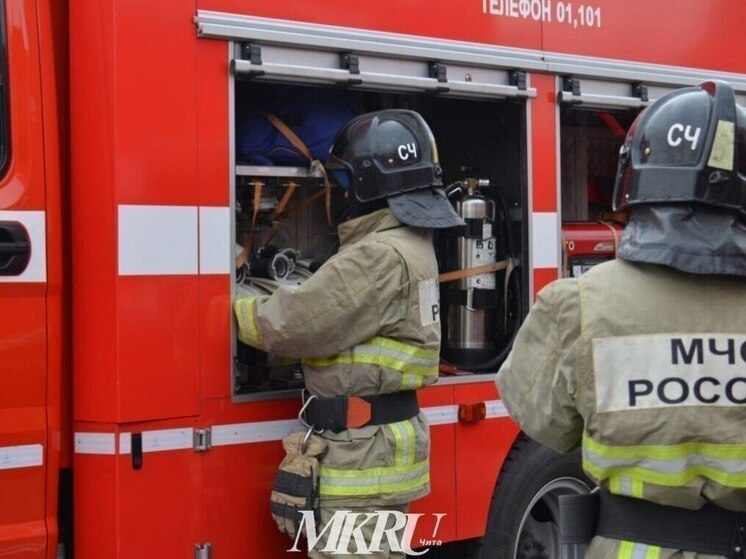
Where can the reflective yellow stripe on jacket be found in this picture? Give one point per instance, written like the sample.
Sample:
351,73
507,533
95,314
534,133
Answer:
248,332
416,364
335,482
631,550
405,475
666,465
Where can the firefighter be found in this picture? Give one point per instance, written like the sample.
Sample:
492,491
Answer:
366,325
641,360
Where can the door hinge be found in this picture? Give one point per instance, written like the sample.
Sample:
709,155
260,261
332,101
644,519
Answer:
202,440
203,551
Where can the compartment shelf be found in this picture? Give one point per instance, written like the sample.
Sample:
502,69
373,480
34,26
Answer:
273,171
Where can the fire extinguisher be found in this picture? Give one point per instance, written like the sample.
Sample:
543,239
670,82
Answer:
472,302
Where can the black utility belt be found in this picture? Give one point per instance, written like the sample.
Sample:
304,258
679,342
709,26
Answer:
711,530
352,412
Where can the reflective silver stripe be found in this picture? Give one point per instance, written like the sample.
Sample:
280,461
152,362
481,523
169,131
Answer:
632,550
625,486
95,443
251,432
405,358
22,456
365,349
667,466
159,440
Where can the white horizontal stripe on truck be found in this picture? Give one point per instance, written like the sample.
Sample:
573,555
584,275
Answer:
240,433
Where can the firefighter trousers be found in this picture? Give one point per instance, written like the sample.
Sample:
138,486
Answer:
351,551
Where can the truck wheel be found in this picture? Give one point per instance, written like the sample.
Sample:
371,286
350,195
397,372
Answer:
523,518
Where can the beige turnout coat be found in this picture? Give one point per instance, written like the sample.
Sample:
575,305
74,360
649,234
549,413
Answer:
645,367
365,323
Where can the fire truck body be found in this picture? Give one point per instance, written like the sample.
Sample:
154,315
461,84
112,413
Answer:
122,198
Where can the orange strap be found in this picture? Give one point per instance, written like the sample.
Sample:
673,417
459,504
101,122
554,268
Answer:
469,272
292,185
315,163
292,137
358,412
279,211
242,258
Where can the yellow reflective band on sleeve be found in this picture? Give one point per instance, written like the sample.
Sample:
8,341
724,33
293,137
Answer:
667,465
248,332
416,364
335,482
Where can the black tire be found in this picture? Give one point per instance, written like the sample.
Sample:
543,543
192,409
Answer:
523,517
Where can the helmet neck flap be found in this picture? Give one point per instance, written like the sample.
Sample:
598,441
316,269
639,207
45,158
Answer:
688,238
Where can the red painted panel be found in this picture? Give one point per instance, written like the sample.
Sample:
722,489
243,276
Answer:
94,248
215,336
155,92
237,485
443,489
23,306
23,490
158,342
700,35
544,143
414,17
152,513
237,482
212,104
542,278
480,451
95,497
22,346
159,510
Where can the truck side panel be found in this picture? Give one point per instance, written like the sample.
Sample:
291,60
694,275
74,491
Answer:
29,369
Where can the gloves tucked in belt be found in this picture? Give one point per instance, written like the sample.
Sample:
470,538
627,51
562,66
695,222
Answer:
296,485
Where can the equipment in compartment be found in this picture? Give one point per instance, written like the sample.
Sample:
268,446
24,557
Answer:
268,217
586,244
283,226
474,289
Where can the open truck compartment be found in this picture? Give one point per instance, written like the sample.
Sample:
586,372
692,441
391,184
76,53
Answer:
590,138
280,212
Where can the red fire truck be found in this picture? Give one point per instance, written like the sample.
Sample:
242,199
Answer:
132,422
